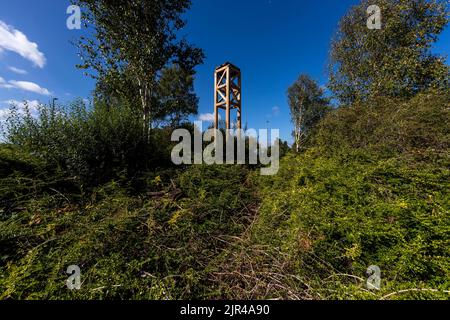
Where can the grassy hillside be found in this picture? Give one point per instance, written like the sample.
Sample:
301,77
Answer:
372,188
147,246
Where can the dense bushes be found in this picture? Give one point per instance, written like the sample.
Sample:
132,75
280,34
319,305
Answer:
389,125
93,145
128,247
375,190
334,217
371,189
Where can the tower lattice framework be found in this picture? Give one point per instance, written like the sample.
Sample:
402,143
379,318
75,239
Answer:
227,94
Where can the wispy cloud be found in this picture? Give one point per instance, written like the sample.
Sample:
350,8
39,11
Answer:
207,117
24,85
16,41
30,86
4,84
17,70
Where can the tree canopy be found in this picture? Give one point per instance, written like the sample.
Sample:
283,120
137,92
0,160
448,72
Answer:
395,61
132,43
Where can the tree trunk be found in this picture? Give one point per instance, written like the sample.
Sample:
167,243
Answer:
145,101
298,132
297,138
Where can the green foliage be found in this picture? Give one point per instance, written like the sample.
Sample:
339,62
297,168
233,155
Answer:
21,176
389,126
337,217
83,186
132,43
395,61
177,100
343,205
91,146
128,247
373,190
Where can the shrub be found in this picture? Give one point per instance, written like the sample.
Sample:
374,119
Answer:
374,190
92,145
128,247
389,125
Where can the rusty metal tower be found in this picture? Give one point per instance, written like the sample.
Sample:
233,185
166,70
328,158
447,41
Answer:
227,93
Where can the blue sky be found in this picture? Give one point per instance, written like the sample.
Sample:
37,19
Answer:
272,41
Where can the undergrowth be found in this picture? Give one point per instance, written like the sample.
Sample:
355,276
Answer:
372,188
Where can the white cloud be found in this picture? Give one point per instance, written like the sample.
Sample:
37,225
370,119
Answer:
30,86
4,84
14,40
17,70
24,85
207,117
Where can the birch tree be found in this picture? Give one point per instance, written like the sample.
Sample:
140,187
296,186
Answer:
139,38
308,105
